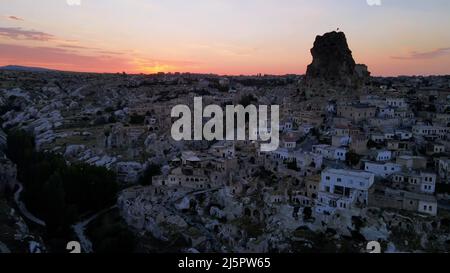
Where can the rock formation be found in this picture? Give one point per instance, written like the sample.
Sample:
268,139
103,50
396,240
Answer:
333,62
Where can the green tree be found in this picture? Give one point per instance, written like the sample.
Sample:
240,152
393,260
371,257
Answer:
292,165
52,199
352,158
109,234
371,144
20,147
90,188
246,100
151,171
56,192
307,213
137,119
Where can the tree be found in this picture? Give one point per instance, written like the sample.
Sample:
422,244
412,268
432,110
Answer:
20,147
111,236
56,192
443,188
307,213
371,144
112,119
89,188
352,158
151,171
292,165
52,199
432,108
137,119
247,100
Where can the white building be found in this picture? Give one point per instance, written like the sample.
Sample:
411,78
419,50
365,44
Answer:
378,138
444,170
427,130
129,172
381,155
423,182
397,102
308,160
344,189
387,112
223,149
428,183
281,154
403,135
389,135
305,128
331,153
286,126
340,153
322,149
382,169
435,148
428,207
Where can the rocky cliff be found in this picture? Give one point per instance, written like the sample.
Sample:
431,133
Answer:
333,62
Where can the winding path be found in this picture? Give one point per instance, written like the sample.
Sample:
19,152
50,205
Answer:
23,208
4,249
80,227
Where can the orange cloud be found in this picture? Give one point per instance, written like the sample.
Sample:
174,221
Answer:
144,65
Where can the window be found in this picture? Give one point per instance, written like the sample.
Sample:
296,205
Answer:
339,190
346,192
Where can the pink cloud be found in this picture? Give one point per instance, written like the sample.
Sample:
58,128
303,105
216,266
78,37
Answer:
62,59
439,52
74,46
17,33
70,60
15,18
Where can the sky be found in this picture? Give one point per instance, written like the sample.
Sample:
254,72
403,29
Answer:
230,37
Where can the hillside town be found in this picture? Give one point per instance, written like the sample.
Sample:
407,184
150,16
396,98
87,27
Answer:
360,158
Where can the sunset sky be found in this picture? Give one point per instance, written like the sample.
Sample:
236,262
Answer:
398,37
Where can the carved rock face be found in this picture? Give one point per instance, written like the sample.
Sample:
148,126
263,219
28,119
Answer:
333,62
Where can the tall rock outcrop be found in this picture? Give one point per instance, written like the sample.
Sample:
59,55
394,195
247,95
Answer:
333,62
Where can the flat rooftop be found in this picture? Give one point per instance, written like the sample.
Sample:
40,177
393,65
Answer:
355,173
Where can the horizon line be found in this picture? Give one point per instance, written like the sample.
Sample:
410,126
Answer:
2,68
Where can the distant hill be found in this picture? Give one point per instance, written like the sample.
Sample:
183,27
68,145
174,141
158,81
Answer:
25,68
